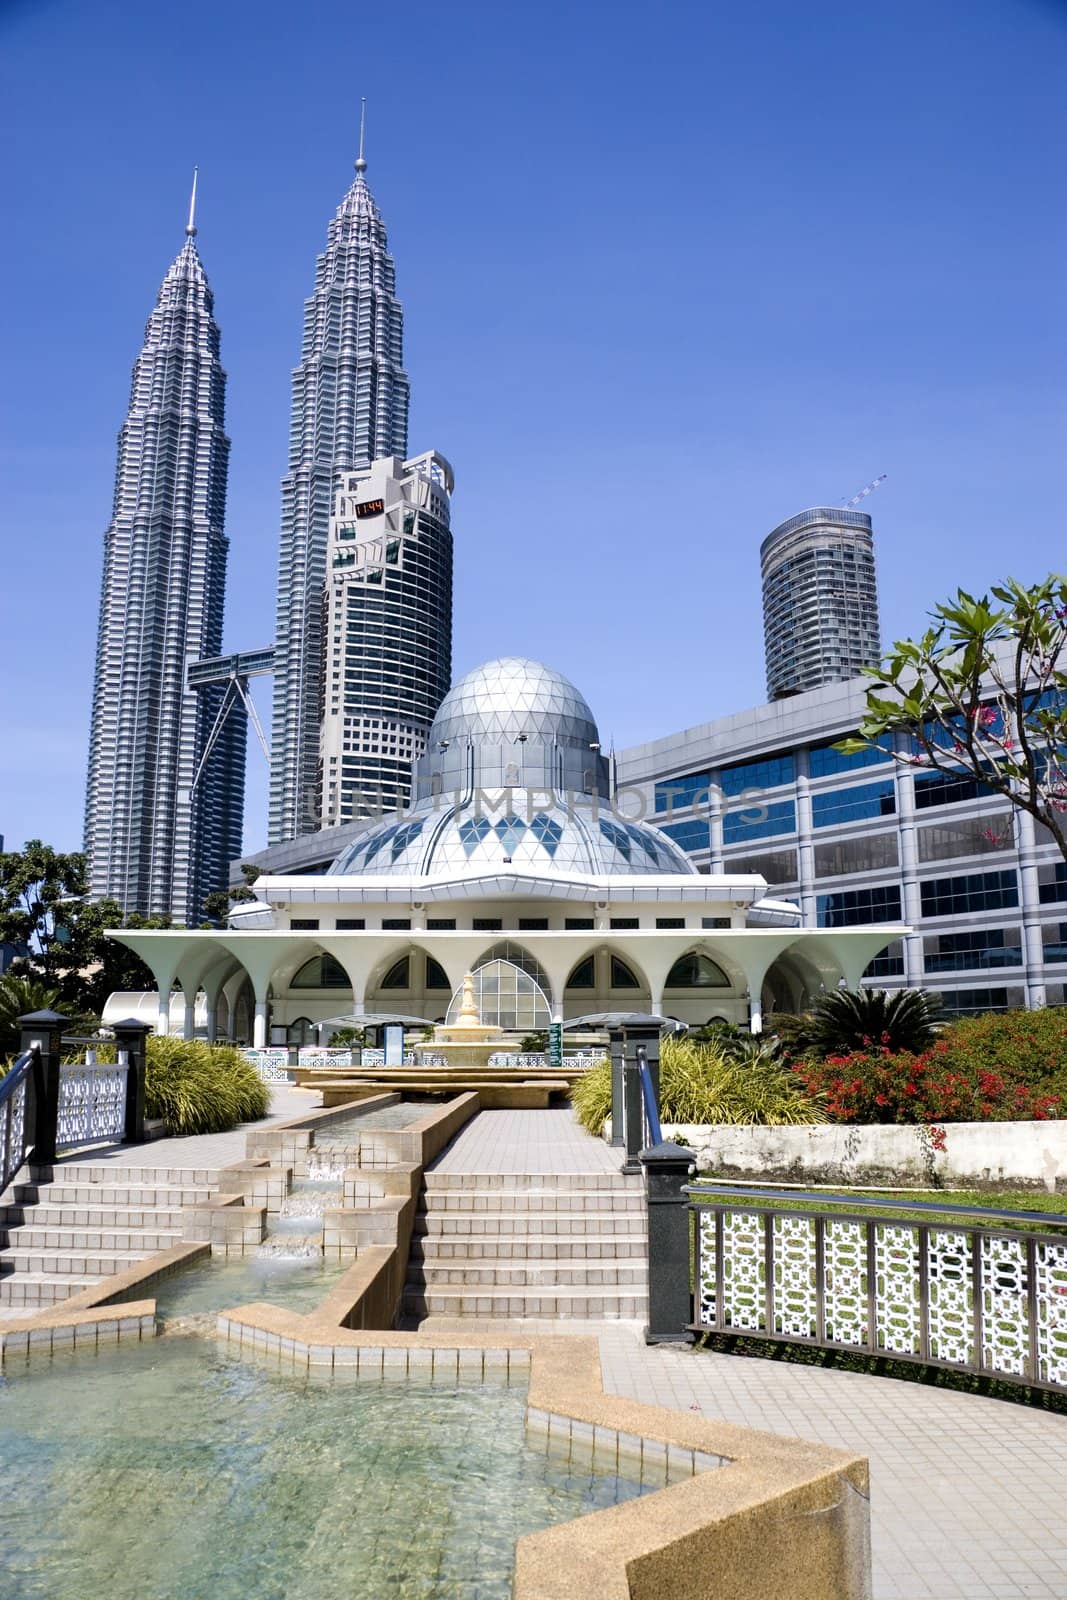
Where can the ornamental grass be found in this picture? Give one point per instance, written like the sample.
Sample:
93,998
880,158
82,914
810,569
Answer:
699,1086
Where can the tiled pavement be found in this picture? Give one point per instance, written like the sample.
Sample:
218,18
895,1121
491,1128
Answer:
527,1141
969,1495
208,1151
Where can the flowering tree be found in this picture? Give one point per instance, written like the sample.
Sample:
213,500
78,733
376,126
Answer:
983,692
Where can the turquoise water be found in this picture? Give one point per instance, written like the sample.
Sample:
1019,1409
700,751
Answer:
179,1472
298,1284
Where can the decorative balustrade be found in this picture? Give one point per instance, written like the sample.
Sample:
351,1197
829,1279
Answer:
943,1293
272,1063
92,1102
16,1132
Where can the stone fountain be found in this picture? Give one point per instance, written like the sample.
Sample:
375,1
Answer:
467,1042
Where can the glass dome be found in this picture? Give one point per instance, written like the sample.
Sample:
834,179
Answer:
514,699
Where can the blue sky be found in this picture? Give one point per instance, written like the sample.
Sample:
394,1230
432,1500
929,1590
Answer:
670,274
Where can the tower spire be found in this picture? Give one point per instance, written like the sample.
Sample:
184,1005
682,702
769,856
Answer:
361,165
190,226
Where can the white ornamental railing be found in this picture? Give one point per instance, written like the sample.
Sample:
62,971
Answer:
271,1063
92,1102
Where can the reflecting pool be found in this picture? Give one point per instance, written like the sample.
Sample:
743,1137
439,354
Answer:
298,1283
176,1471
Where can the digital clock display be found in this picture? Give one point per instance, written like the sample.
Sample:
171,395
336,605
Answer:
370,508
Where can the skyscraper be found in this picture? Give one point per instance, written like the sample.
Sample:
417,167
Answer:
388,657
820,600
162,825
349,408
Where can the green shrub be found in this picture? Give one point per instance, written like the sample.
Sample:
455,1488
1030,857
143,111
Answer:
18,997
195,1087
871,1019
698,1085
930,1086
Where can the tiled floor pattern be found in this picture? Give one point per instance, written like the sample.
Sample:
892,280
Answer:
968,1495
527,1141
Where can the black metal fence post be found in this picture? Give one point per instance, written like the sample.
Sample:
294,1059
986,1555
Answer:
44,1029
670,1306
616,1051
131,1037
635,1035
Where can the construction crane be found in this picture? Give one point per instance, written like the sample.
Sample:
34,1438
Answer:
871,487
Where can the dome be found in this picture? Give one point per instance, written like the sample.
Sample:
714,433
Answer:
530,837
513,699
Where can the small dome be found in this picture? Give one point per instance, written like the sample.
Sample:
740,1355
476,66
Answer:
503,701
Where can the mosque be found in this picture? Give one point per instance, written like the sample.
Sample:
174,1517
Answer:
516,862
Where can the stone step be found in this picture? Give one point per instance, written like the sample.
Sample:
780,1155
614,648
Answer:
460,1301
91,1264
598,1272
141,1196
525,1222
503,1181
46,1215
36,1234
434,1247
122,1176
502,1202
40,1289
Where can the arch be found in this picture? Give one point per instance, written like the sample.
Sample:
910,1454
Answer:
436,976
622,975
507,996
398,976
300,1031
516,955
323,971
582,975
694,970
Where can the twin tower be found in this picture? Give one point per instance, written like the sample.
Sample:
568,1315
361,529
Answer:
362,650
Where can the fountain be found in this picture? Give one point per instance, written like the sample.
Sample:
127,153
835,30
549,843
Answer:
467,1042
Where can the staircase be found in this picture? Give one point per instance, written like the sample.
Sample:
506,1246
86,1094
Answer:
76,1223
529,1245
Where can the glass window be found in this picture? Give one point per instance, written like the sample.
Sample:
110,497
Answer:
300,1032
777,866
872,852
851,907
715,922
675,794
974,836
514,954
584,975
533,924
396,924
621,976
321,972
692,835
507,997
1052,882
304,924
696,971
759,821
824,761
440,924
979,891
971,1002
625,922
578,924
975,947
350,924
766,774
1054,941
398,975
486,924
889,963
857,804
670,922
436,976
946,789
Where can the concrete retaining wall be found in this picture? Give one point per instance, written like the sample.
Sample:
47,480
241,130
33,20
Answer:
1029,1155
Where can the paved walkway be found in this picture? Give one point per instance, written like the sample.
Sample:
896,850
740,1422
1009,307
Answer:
527,1141
207,1151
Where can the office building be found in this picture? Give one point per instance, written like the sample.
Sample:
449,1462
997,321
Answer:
162,823
860,839
820,600
349,408
388,647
